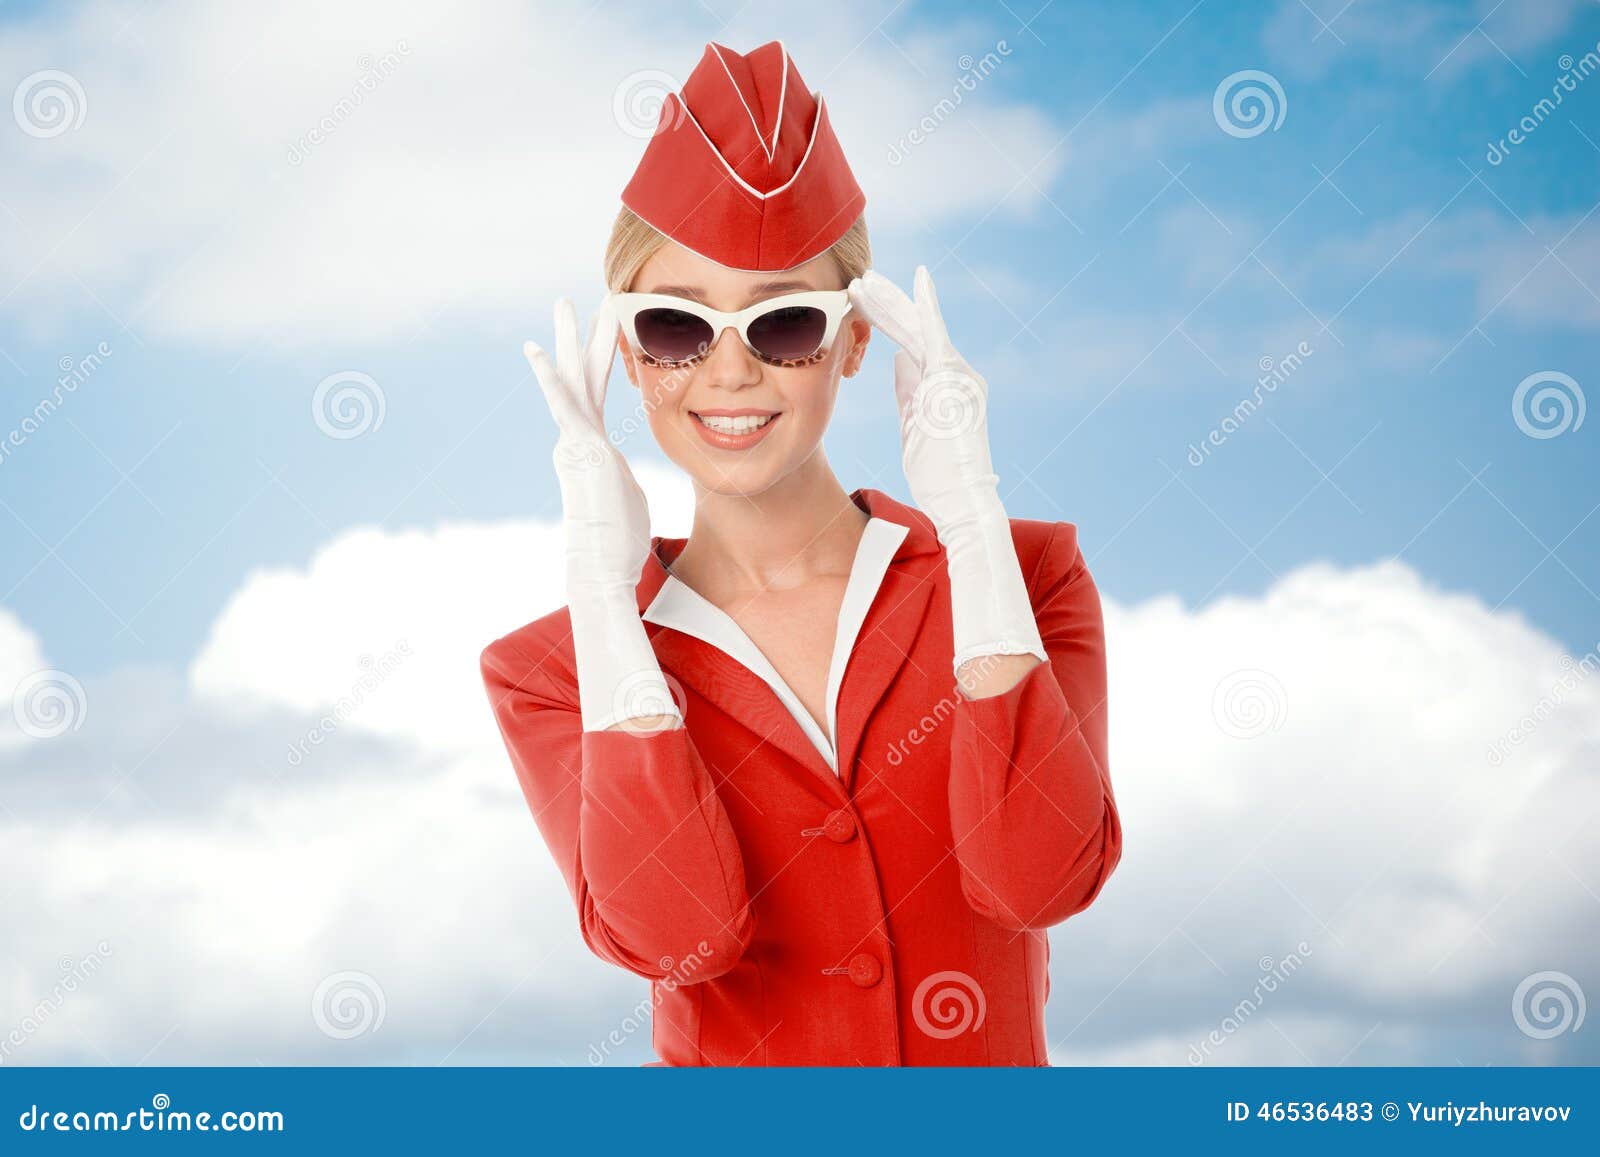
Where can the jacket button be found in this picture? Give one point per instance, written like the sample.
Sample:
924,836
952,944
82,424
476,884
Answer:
840,827
865,971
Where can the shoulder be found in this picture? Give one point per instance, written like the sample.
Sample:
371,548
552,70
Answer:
536,657
1047,551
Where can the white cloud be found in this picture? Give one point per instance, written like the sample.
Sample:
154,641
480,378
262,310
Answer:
1544,277
1370,823
228,880
392,623
1535,272
480,174
219,928
21,656
1420,38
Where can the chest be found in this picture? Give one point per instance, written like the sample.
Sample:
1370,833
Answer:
796,630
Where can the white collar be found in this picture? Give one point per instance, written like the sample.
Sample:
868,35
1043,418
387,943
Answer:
681,607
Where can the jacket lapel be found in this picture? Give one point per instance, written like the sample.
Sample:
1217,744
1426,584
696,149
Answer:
889,632
883,647
720,679
741,694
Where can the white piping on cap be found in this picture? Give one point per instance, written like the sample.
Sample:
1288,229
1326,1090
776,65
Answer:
752,190
783,91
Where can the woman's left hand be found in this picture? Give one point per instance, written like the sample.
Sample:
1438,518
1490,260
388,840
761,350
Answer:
943,402
944,439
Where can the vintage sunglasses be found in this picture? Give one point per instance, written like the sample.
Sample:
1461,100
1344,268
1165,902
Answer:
796,329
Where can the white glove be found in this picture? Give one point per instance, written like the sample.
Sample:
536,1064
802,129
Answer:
944,437
607,526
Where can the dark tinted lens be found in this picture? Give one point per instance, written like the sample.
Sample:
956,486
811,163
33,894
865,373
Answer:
671,335
794,331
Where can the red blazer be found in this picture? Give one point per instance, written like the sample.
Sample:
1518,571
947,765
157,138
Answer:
892,914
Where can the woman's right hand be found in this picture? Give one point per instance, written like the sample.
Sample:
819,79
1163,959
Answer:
606,517
607,523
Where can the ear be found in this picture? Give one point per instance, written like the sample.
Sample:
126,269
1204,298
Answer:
860,335
629,366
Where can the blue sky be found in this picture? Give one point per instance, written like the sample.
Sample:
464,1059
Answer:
1140,211
1115,261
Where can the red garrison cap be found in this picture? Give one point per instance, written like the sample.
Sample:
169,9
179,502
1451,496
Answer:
744,168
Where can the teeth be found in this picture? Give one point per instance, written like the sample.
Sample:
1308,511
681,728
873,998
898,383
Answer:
743,424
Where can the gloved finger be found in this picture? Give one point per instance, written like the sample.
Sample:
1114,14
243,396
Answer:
885,305
569,358
600,353
935,336
557,396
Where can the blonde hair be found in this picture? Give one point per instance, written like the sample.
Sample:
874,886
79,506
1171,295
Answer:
633,241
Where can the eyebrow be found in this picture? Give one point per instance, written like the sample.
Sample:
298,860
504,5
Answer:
694,293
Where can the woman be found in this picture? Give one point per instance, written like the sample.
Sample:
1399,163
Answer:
825,770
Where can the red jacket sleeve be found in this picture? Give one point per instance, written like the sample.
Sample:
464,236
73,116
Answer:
634,823
1031,808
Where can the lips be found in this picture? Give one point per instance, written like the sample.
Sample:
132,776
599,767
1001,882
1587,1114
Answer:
733,429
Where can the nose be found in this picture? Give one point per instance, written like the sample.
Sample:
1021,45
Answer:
729,363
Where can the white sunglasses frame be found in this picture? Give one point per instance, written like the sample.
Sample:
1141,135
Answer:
834,304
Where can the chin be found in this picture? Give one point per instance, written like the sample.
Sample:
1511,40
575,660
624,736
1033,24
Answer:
741,482
730,473
733,477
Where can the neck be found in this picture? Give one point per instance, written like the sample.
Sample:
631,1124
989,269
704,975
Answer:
802,526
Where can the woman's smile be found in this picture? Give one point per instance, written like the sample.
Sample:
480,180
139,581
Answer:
734,429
